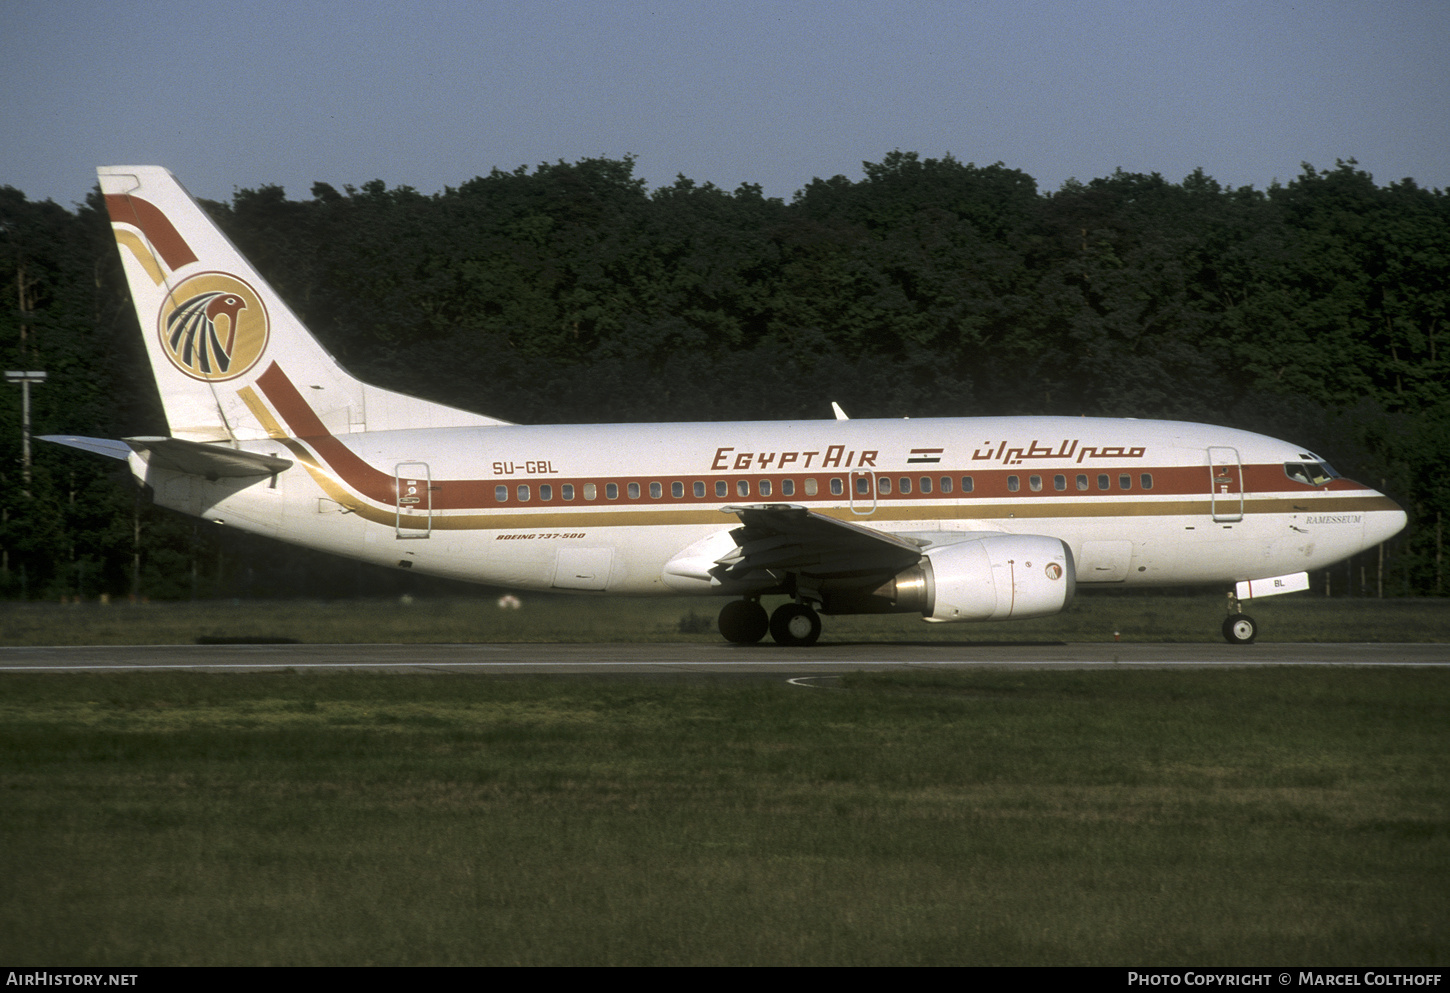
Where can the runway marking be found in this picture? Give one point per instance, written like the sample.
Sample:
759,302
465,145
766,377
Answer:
583,667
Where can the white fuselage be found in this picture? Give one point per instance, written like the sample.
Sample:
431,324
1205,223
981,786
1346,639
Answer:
608,507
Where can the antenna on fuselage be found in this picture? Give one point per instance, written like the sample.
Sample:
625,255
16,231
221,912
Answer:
840,414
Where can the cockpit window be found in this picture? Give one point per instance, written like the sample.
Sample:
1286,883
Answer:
1310,473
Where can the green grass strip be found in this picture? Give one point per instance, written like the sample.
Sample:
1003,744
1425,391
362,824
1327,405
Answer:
544,618
1274,816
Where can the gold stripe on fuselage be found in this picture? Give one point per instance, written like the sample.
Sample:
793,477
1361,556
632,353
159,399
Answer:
603,515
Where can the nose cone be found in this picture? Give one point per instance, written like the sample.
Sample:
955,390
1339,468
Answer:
1383,520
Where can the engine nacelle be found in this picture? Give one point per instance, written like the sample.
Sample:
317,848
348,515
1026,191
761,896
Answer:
992,578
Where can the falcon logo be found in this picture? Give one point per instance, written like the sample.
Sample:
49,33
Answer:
213,326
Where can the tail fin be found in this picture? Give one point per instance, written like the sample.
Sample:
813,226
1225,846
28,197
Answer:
222,342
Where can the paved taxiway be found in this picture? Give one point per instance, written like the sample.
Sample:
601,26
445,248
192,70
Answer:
512,659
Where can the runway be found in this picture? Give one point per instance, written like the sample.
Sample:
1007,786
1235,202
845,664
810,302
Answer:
700,659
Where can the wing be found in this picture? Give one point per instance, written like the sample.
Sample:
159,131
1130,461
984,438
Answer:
784,539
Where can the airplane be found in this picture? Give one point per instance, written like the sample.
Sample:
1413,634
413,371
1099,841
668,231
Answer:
955,519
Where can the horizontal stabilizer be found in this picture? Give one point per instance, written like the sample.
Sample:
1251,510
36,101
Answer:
211,461
108,447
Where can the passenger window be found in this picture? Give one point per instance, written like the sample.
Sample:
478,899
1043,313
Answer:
1013,484
546,492
611,491
1035,482
722,488
1103,482
883,485
765,487
1125,482
523,492
787,487
699,488
905,486
1146,480
863,485
925,484
743,487
657,490
633,491
836,487
810,486
946,484
501,494
1082,483
677,490
1059,483
966,484
567,491
589,491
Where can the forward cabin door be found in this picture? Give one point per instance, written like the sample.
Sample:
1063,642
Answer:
414,486
1225,484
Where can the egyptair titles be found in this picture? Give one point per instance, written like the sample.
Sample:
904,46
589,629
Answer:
834,457
727,458
1016,455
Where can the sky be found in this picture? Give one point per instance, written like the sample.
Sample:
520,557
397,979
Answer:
430,93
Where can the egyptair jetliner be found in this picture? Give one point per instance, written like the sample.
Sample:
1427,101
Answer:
958,519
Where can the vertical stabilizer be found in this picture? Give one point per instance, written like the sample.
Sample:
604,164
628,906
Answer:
214,327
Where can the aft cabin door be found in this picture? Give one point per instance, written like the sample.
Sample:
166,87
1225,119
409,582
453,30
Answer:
1226,485
414,486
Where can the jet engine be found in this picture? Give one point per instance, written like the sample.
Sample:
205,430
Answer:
990,578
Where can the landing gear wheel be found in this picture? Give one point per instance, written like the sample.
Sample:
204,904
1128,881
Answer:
743,622
1240,629
795,624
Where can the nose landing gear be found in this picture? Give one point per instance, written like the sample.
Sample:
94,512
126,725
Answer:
1239,628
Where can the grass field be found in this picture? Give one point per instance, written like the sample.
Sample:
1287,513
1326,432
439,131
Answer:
1143,617
1274,816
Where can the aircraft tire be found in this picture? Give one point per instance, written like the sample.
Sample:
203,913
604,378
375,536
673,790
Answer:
795,625
1240,629
743,622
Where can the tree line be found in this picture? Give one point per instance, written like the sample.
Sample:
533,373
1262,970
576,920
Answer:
571,292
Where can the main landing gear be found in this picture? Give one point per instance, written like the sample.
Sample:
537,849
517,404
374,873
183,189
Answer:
744,622
1239,628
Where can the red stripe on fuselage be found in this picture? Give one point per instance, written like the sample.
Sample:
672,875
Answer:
479,494
155,225
307,427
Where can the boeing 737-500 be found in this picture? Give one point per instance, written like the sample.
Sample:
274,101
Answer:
957,519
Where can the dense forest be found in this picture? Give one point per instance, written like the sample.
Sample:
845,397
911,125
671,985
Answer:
572,292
